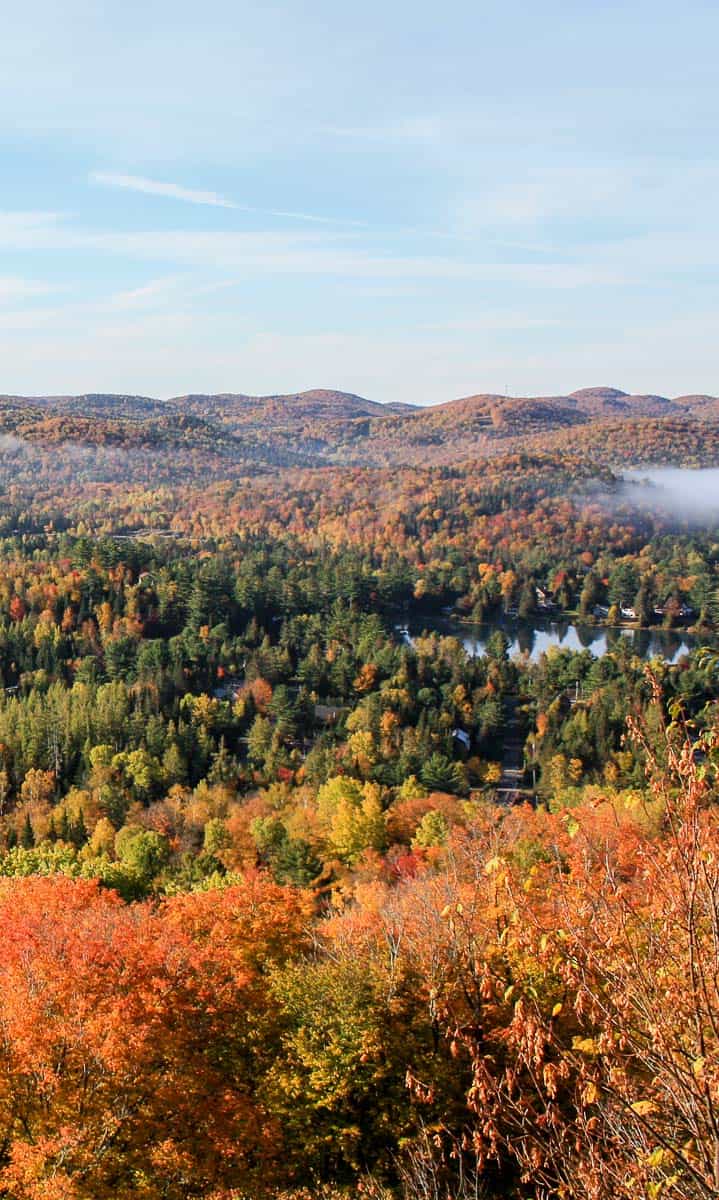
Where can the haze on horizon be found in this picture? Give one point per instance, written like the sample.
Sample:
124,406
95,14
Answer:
406,205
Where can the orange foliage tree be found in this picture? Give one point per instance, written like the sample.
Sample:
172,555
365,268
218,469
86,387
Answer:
575,964
127,1065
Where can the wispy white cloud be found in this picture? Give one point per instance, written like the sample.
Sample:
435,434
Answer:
19,229
417,129
493,323
154,292
175,191
547,193
154,187
588,199
171,351
285,252
29,319
301,216
12,289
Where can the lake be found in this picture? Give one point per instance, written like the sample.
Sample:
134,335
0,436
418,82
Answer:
691,494
536,637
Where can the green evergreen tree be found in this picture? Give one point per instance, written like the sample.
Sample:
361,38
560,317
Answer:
440,774
79,834
27,837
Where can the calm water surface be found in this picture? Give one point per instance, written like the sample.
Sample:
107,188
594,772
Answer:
691,495
534,638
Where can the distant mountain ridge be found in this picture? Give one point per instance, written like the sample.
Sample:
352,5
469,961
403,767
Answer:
325,426
315,404
593,401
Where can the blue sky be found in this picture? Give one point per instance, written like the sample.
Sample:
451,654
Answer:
410,201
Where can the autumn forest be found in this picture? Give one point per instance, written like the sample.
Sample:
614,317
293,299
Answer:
301,898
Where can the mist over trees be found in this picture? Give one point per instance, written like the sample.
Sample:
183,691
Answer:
298,905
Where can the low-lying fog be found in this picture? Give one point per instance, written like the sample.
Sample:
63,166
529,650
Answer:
681,491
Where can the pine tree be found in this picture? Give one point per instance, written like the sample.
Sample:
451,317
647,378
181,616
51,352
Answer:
79,831
65,827
590,594
27,838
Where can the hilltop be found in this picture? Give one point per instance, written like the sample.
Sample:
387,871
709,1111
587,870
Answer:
316,404
325,426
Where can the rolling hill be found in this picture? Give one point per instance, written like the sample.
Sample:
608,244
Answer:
328,427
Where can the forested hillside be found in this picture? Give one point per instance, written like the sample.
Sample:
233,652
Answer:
300,904
319,427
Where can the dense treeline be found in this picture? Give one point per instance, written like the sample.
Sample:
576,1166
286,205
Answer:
321,427
271,926
531,1004
167,715
483,539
